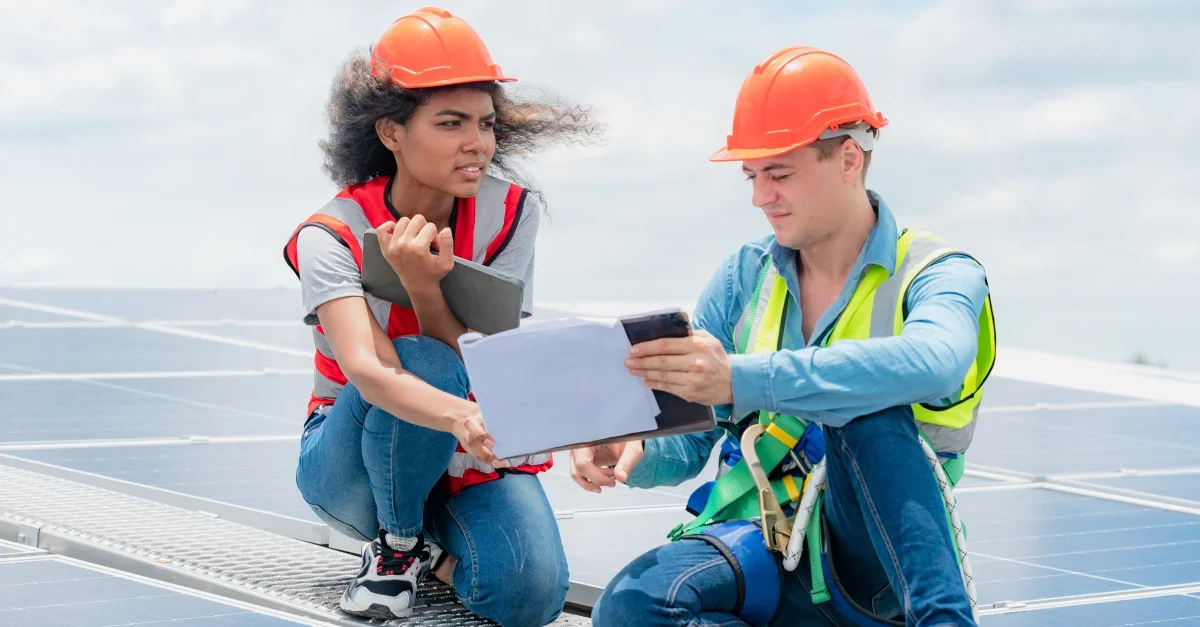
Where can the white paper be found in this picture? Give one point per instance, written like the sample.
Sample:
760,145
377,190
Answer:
556,383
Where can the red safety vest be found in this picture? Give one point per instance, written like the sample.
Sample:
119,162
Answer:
483,226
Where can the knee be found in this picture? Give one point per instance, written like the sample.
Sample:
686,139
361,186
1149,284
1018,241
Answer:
433,362
523,593
629,599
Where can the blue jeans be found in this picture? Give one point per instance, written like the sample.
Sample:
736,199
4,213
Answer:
362,469
892,548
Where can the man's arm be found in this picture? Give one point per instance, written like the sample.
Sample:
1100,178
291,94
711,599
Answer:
835,384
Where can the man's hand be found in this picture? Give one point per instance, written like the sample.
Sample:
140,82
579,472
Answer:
694,368
597,467
475,439
406,246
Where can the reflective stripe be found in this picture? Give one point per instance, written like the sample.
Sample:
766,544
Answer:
756,310
461,462
887,295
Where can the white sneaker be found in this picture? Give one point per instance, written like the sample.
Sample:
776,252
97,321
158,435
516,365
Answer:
386,585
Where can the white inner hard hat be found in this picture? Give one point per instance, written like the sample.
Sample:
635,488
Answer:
861,135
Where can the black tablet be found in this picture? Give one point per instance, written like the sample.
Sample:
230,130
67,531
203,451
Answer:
483,299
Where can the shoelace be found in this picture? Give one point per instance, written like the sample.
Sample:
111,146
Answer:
405,563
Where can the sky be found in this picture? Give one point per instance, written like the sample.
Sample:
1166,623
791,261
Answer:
174,143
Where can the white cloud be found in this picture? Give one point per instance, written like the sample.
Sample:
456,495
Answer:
175,143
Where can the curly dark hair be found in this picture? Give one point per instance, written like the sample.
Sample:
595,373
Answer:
524,126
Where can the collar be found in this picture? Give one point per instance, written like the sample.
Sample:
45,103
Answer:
878,250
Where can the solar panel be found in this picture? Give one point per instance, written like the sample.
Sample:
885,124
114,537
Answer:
1001,393
258,475
10,315
94,410
169,304
9,549
287,333
279,398
121,349
1037,543
52,592
1166,611
1181,486
1097,439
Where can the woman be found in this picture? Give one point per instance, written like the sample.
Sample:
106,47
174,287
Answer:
394,452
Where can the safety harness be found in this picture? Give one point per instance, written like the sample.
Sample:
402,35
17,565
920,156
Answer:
750,517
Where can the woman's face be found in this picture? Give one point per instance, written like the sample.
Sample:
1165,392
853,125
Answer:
449,141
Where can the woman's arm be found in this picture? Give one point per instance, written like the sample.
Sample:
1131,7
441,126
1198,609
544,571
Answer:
369,361
332,293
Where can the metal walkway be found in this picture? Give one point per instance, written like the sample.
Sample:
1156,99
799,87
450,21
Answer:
197,551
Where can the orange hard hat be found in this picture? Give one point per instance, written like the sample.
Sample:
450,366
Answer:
793,98
432,48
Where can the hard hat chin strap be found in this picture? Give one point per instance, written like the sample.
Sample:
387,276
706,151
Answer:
860,135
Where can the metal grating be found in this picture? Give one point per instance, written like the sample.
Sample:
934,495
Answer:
183,544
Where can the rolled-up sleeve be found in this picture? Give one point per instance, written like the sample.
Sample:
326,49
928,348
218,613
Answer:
925,363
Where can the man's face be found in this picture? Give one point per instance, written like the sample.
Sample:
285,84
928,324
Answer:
801,195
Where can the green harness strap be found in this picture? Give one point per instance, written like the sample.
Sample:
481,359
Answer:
734,495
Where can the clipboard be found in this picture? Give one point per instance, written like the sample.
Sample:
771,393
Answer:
483,299
677,416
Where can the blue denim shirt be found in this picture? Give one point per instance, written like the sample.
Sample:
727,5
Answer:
831,385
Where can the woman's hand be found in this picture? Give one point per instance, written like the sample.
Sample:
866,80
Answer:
407,245
475,439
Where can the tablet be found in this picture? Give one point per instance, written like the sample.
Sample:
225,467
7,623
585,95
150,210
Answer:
483,299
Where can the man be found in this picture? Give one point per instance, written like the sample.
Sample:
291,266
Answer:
838,321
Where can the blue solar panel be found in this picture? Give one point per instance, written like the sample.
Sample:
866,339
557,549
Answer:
1001,392
1080,544
282,397
54,593
1175,486
1089,440
170,304
1168,611
131,349
9,313
73,410
294,335
259,475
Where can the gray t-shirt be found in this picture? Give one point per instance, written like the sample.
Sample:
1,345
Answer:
328,271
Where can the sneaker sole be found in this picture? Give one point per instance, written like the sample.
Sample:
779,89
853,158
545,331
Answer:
377,612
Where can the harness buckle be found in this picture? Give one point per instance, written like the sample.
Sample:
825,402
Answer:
776,526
